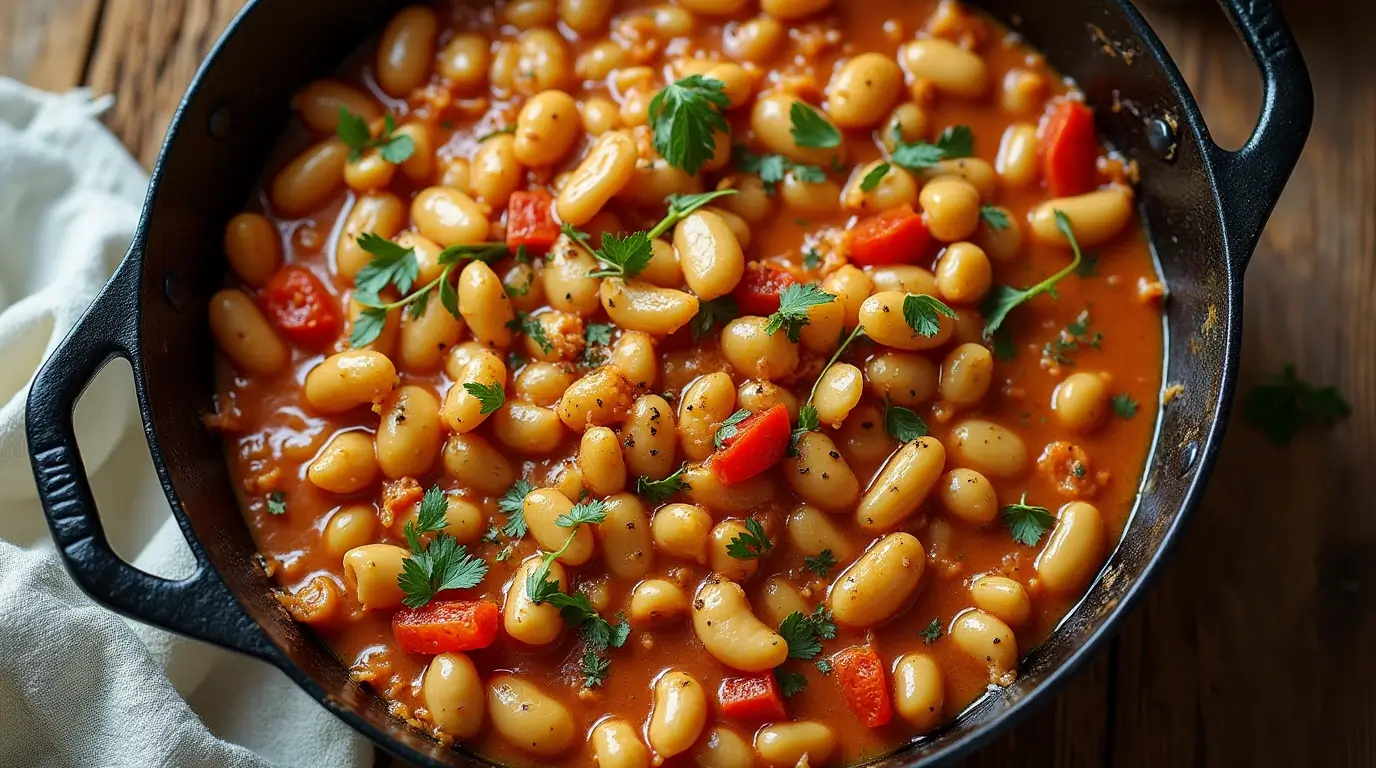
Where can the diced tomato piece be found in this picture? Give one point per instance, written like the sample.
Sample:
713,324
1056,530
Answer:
759,289
1070,150
301,307
760,441
896,236
445,626
530,220
860,674
753,699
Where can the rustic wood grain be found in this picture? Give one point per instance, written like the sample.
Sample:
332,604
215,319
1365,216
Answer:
45,42
1255,647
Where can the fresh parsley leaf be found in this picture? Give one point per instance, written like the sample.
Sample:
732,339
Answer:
809,129
517,291
658,491
443,565
601,634
820,565
920,313
391,265
956,141
811,259
396,148
822,623
794,303
916,157
533,329
1286,403
353,131
872,179
790,683
804,633
685,118
367,326
682,205
903,424
932,632
1123,405
485,252
809,174
750,544
513,504
770,168
598,333
430,516
277,503
490,396
995,217
718,311
1004,347
594,669
808,421
823,666
1069,339
623,256
1003,299
594,511
1025,522
727,430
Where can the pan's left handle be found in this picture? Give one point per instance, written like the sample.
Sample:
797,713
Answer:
200,605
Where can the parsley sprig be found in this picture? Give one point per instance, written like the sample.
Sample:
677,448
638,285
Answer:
954,142
773,168
685,118
902,424
353,131
1123,405
932,632
821,564
921,311
804,633
727,430
794,304
397,266
441,565
750,544
627,256
659,491
1026,522
790,683
718,311
808,420
995,217
513,504
1003,299
1286,403
876,175
277,503
810,130
490,396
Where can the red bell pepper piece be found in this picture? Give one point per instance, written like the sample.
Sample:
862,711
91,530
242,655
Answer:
1070,150
753,699
760,441
759,289
530,220
301,307
860,674
896,236
445,626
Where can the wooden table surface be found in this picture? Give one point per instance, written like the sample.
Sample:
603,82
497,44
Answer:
1258,644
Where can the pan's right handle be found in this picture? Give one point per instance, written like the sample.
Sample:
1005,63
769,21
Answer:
200,605
1251,179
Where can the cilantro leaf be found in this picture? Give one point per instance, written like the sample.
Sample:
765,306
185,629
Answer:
821,565
810,130
1124,406
1025,522
932,632
872,179
1003,299
685,118
823,666
598,333
367,326
916,157
397,149
277,503
444,565
594,511
790,683
727,430
808,421
1004,347
903,424
809,174
593,668
623,256
1286,403
920,313
485,252
533,329
804,633
794,303
353,131
770,168
718,311
391,265
513,503
657,491
490,396
750,544
811,259
995,217
956,141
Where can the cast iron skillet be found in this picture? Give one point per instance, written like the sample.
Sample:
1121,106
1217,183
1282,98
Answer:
1204,206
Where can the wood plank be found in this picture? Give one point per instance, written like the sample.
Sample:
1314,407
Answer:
1254,648
45,42
146,53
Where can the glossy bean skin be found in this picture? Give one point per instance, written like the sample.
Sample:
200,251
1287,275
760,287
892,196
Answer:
811,530
881,315
369,173
1017,159
1003,598
722,747
969,496
543,507
462,410
878,584
606,170
905,378
525,621
649,438
863,89
318,104
382,214
639,306
349,379
495,173
244,334
346,464
634,354
1081,401
786,744
310,179
682,531
567,285
730,632
1095,217
989,642
963,274
527,429
616,743
528,717
253,248
736,499
408,438
918,693
546,128
757,396
754,352
678,715
602,396
838,391
988,447
424,340
770,119
475,463
901,486
464,61
709,254
704,405
350,526
819,475
405,51
448,216
966,374
656,602
371,572
600,460
484,305
950,206
952,69
1074,550
625,536
778,599
543,62
719,558
453,693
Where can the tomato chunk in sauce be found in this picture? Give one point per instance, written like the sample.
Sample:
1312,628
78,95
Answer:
682,383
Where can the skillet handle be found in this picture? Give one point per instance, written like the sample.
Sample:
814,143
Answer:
200,605
1252,178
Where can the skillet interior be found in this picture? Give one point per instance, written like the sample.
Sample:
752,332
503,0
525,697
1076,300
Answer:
238,107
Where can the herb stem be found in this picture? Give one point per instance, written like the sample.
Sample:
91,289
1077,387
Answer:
859,331
416,294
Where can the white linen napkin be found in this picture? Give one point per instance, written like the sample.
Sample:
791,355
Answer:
79,685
